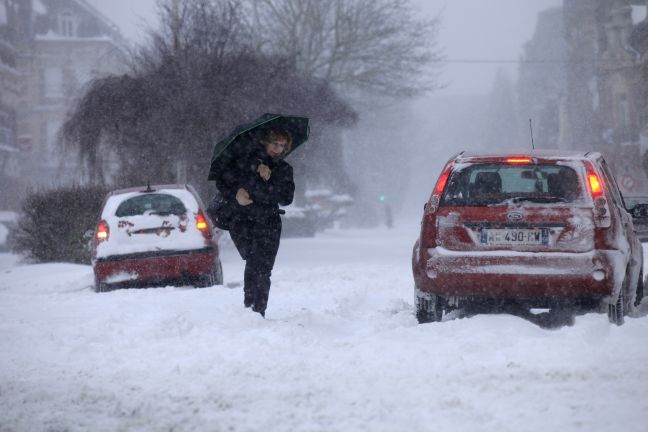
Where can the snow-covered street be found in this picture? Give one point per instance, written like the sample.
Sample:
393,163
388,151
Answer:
340,350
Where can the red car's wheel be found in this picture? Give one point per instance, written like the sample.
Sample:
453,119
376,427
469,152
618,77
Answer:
100,286
640,289
429,308
617,310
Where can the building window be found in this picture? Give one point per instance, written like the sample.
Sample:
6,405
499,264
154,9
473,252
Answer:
624,111
643,119
49,136
67,24
83,74
53,82
6,136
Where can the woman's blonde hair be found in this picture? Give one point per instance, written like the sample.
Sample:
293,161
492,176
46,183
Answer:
272,134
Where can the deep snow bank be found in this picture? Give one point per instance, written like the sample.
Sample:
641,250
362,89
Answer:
340,351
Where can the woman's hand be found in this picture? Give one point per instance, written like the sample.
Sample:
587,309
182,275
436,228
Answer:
264,171
243,197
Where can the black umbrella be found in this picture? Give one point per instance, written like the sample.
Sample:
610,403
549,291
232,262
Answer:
296,126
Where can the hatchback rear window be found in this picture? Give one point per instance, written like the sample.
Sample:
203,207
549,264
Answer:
160,204
484,184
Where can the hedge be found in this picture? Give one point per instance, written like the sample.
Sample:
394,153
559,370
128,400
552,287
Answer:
52,223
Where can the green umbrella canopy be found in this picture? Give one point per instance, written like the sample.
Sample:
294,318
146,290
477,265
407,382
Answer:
296,126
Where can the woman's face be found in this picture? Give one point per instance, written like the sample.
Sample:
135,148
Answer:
275,147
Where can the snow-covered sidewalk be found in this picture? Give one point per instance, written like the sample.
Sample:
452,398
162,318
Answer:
340,350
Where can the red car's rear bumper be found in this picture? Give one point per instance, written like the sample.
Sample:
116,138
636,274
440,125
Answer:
155,266
520,276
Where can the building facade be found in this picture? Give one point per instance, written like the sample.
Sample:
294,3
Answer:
56,47
542,78
9,90
605,106
70,44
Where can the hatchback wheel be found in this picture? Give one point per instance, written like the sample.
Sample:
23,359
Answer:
429,308
616,310
100,287
640,289
218,274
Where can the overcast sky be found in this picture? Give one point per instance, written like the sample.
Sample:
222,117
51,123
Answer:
472,30
485,30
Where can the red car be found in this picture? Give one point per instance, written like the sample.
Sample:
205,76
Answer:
545,229
155,235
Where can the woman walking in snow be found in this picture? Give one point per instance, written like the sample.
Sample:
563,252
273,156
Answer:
259,181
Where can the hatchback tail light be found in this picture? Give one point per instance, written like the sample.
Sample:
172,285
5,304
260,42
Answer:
202,225
596,186
435,199
103,231
428,227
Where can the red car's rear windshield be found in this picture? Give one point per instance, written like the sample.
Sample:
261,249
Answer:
160,204
484,184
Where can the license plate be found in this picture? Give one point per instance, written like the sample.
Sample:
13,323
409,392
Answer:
511,236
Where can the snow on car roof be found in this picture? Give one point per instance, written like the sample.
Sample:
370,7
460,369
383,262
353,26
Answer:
154,188
115,198
538,154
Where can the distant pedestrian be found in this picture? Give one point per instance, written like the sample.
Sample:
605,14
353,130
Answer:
259,180
389,219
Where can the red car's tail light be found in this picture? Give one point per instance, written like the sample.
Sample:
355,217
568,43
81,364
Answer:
103,231
602,217
518,160
596,188
428,227
202,225
438,189
433,204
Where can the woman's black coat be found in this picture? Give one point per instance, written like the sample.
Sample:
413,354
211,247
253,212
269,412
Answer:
239,170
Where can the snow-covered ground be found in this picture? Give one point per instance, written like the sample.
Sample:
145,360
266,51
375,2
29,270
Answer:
340,350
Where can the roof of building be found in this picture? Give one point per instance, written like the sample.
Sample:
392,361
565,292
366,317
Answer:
110,29
92,10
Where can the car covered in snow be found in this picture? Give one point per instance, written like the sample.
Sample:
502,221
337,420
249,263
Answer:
155,235
541,229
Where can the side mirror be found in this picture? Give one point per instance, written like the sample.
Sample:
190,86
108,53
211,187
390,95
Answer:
425,206
639,210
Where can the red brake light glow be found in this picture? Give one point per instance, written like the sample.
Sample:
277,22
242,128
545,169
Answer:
201,222
441,183
203,226
102,231
601,208
595,184
432,205
518,160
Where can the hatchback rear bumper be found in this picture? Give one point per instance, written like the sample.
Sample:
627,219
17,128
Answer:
155,266
520,275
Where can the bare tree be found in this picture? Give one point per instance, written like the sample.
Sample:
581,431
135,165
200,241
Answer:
380,46
199,78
